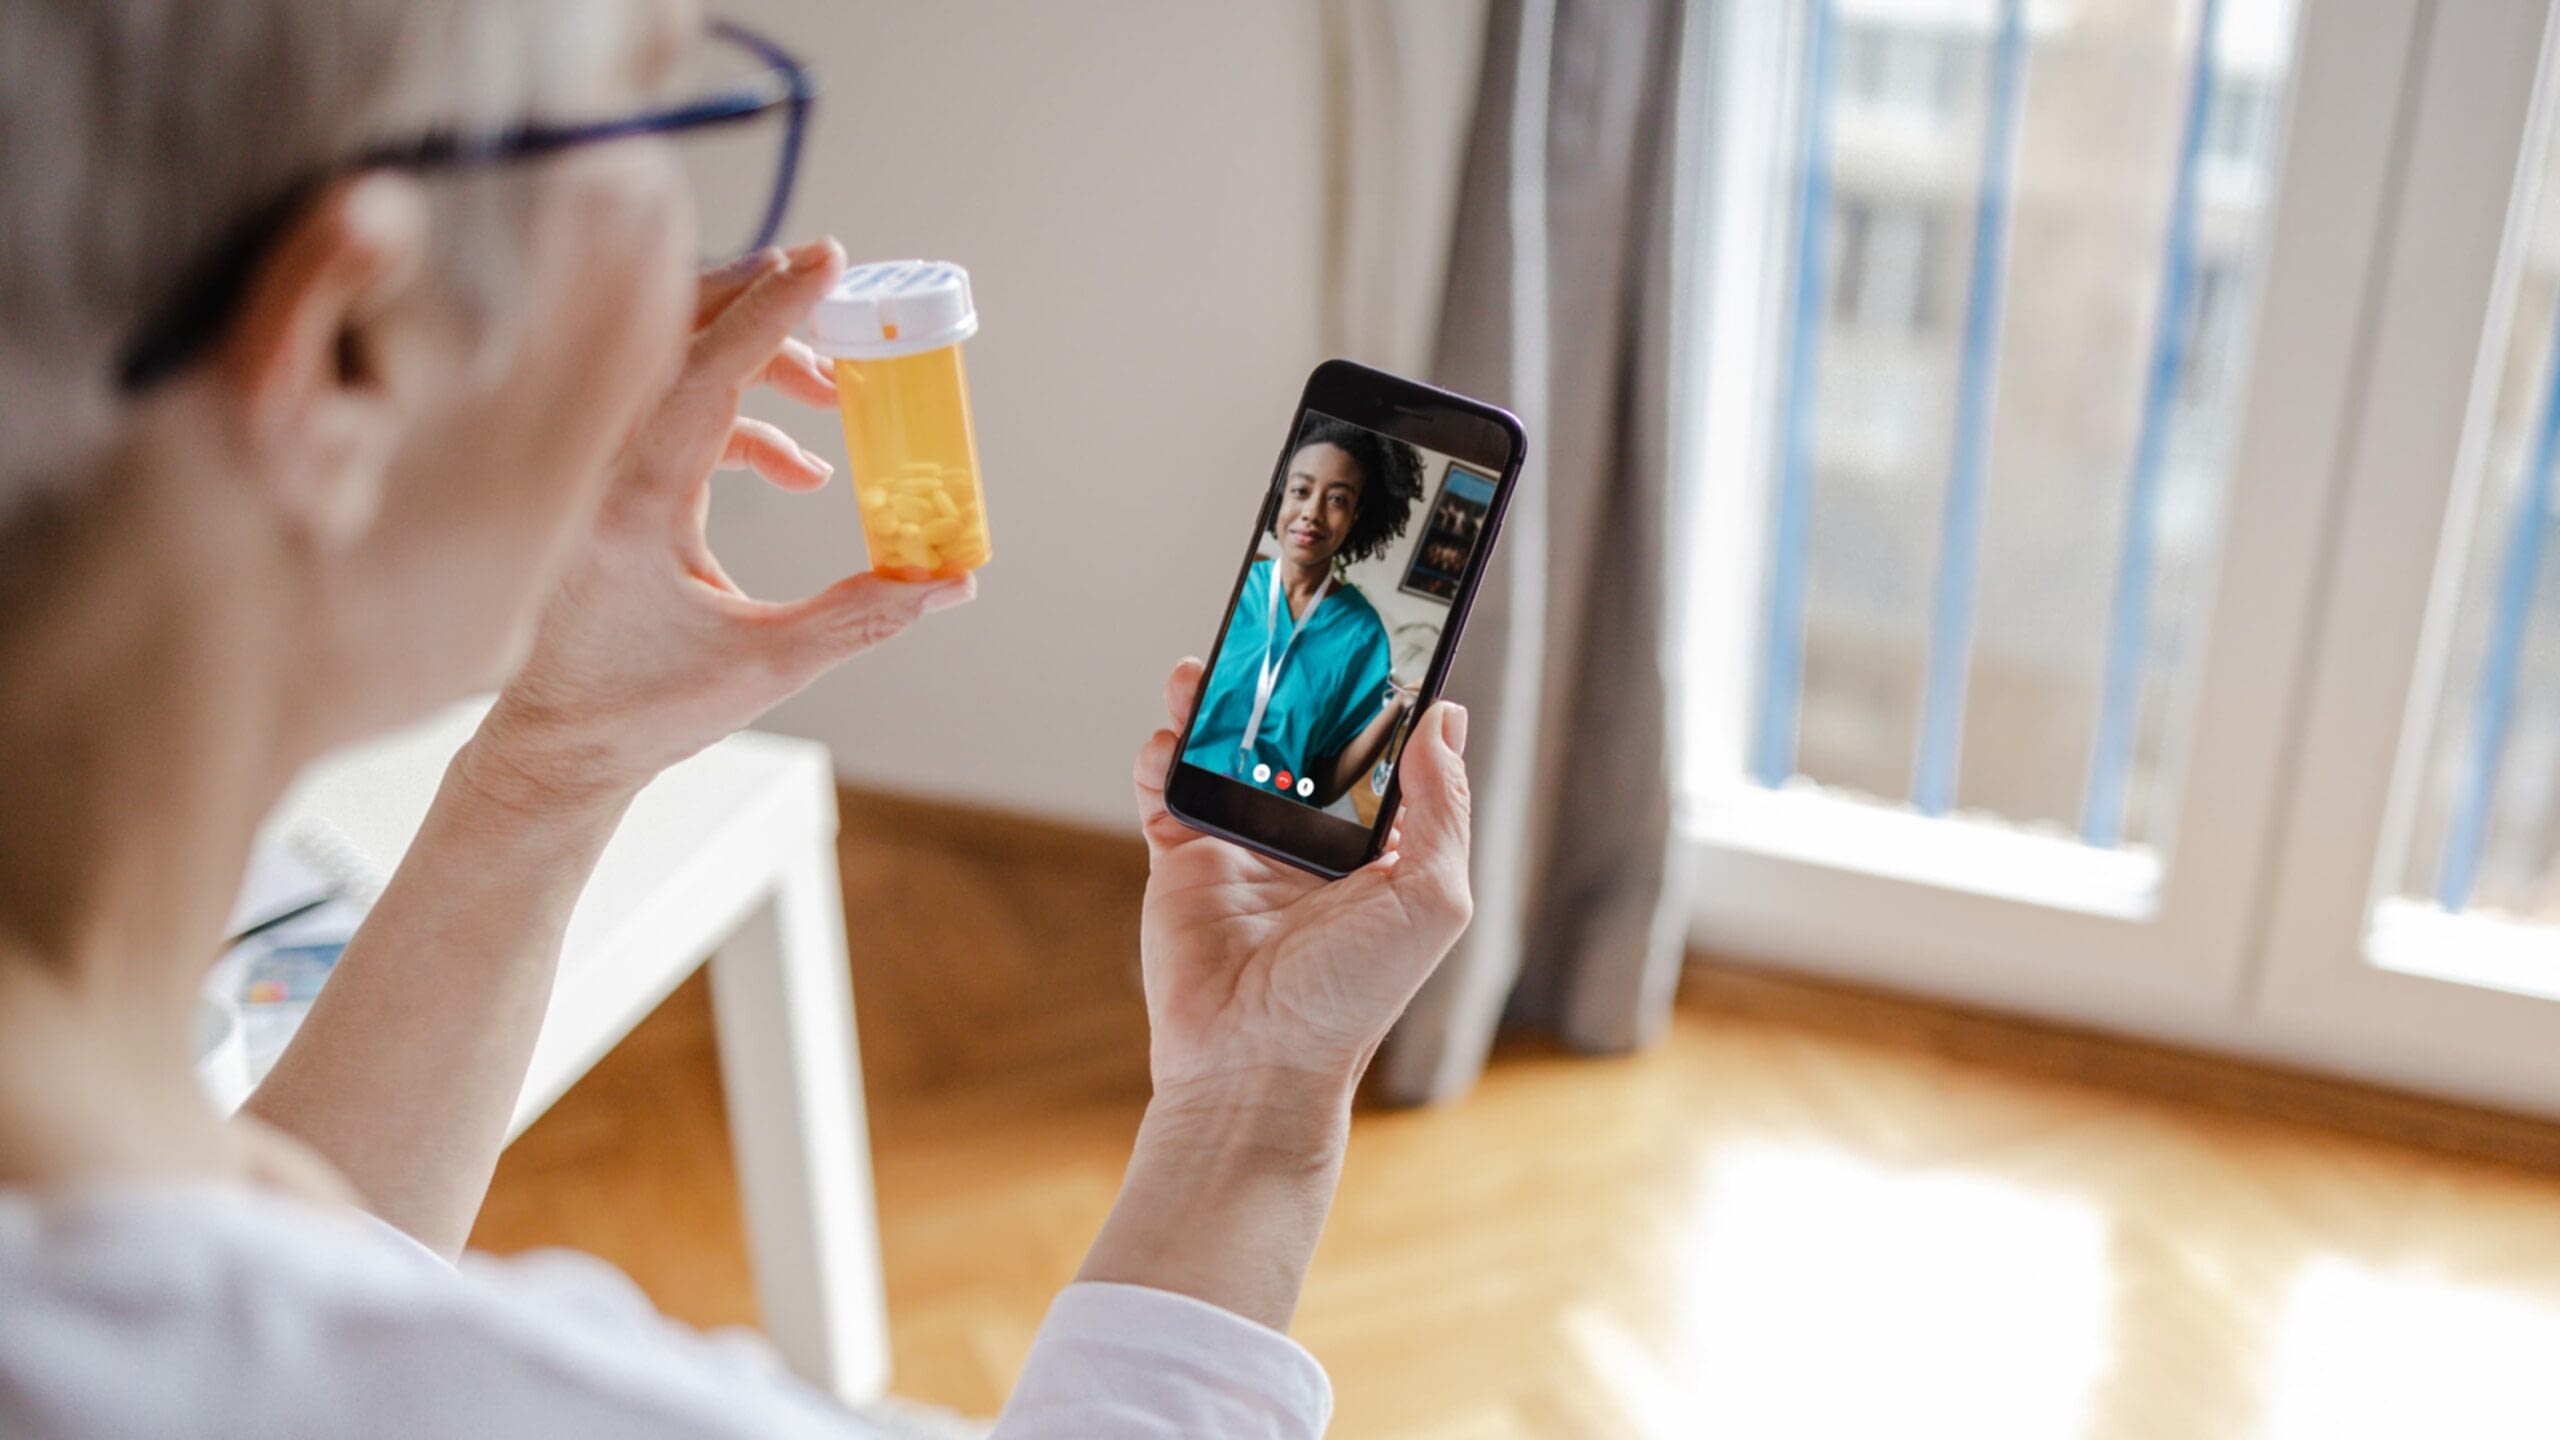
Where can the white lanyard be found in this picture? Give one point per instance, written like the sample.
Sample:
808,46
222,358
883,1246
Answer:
1271,664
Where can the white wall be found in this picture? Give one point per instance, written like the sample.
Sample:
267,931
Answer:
1136,186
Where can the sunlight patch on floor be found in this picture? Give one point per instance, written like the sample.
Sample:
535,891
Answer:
1831,1296
2365,1354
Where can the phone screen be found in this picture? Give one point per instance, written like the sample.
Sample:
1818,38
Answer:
1366,546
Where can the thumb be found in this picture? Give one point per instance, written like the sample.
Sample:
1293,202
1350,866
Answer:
858,612
1436,813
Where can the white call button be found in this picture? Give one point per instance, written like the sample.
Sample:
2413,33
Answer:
1306,786
1261,774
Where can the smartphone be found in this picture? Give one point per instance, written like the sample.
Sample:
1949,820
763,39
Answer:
1364,557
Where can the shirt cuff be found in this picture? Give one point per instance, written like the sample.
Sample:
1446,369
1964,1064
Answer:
1126,1360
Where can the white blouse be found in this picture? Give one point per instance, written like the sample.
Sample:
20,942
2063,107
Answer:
218,1311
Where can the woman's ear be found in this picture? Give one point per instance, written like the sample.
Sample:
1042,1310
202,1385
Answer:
317,411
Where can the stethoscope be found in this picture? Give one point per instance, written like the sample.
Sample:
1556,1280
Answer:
1271,665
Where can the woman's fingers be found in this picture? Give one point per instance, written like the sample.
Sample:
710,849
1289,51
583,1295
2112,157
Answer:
854,614
719,287
1153,768
1430,871
1154,764
1156,757
742,339
797,371
1182,690
770,452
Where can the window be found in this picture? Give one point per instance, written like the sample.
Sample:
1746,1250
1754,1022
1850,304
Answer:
2214,317
1902,71
1855,223
2001,631
1885,267
2161,635
2486,834
2238,122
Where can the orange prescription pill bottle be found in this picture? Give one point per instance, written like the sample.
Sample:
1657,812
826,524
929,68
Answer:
893,331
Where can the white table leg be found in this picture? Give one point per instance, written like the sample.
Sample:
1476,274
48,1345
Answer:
784,1005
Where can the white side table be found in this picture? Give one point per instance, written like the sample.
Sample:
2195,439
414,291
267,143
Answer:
728,857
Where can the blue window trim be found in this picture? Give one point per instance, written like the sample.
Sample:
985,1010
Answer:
1933,779
2102,804
2493,712
1782,650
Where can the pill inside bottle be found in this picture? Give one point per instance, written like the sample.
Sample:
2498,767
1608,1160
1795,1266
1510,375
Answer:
893,332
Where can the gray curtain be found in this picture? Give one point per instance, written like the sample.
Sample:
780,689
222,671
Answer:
1560,307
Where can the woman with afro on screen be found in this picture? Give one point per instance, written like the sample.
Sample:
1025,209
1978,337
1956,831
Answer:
1300,684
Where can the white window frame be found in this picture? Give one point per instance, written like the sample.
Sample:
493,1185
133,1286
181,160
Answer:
2383,987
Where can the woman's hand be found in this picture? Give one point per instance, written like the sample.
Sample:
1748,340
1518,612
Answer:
1266,983
648,651
1267,992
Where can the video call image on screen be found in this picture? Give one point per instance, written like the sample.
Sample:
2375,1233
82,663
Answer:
1312,691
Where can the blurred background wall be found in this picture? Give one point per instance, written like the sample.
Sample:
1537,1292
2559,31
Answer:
1147,237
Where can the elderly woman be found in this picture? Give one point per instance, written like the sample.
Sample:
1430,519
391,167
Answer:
1298,695
351,362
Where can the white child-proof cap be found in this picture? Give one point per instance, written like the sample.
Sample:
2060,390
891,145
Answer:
894,307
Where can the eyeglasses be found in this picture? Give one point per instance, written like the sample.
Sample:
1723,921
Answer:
778,87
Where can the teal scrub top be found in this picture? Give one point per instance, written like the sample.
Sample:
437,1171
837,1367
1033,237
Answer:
1333,684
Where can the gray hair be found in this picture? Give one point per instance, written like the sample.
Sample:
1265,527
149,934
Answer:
136,135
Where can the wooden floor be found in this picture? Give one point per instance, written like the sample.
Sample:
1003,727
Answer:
1776,1223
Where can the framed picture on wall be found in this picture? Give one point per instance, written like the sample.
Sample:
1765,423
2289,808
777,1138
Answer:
1449,534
